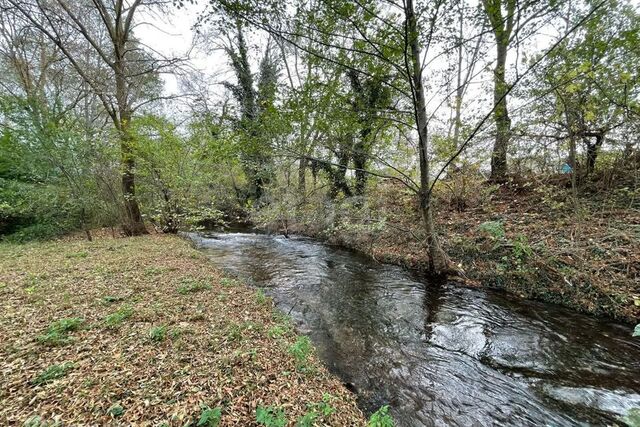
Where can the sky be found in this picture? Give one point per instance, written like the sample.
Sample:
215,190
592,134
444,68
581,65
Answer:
172,36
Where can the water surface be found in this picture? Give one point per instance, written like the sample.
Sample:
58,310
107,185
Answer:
440,355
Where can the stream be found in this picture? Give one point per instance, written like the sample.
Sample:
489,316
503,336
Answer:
439,355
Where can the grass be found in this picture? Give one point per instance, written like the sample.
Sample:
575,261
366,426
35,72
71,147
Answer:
57,332
52,373
115,319
107,339
190,285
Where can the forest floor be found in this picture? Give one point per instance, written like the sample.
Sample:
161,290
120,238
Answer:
143,331
535,244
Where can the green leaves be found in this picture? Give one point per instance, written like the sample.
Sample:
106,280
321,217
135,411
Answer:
381,418
210,417
270,416
636,331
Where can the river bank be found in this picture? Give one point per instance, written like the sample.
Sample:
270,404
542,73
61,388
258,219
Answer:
535,244
144,331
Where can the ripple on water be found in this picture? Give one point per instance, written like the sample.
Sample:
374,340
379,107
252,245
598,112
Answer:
440,355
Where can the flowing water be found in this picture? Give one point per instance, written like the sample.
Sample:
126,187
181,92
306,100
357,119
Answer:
440,355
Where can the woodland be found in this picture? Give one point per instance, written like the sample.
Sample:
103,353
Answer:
489,143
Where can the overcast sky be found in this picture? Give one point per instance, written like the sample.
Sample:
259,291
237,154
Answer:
172,36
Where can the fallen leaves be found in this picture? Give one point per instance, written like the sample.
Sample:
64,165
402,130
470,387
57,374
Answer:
163,335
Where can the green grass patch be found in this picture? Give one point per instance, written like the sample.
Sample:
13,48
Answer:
158,333
114,320
52,373
190,285
277,331
81,254
227,282
57,333
261,297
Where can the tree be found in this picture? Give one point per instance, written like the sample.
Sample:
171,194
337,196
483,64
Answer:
591,83
508,19
100,37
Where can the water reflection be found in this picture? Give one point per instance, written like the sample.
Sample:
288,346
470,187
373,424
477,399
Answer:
440,355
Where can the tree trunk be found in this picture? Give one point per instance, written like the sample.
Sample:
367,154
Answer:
592,151
502,26
360,154
134,225
501,116
302,176
438,260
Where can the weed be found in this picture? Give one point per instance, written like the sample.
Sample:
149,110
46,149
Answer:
175,333
521,249
261,297
115,410
308,419
317,410
53,372
210,417
110,299
115,319
271,417
325,406
381,418
81,254
158,333
57,333
152,271
277,331
234,332
495,229
300,351
225,281
190,285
